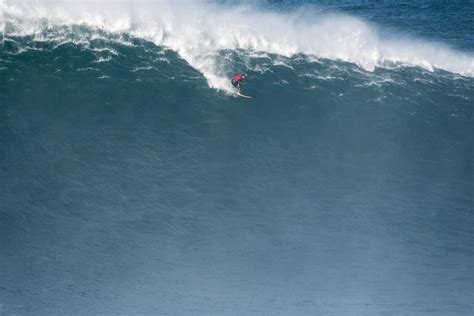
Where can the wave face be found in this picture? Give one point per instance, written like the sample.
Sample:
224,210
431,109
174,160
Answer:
198,31
132,182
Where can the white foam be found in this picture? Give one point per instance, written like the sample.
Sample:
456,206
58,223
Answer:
87,69
2,17
198,30
105,49
141,68
102,60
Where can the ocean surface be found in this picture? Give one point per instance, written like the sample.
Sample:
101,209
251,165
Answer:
133,182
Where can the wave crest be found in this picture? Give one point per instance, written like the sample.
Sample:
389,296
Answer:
198,31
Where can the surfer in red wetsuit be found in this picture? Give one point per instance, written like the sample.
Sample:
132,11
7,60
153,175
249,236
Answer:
237,80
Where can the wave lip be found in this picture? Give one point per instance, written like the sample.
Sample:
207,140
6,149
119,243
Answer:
198,31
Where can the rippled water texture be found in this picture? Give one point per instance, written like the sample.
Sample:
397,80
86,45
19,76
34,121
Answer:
133,182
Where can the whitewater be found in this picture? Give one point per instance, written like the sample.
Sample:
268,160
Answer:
186,28
133,182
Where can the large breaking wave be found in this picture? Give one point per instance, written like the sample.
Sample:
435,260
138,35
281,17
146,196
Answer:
128,186
200,31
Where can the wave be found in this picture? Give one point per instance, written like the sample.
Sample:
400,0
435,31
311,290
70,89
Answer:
201,30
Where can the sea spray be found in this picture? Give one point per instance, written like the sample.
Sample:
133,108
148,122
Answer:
197,31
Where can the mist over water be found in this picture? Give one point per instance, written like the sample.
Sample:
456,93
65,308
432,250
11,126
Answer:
132,182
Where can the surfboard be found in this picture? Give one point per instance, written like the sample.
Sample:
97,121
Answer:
242,95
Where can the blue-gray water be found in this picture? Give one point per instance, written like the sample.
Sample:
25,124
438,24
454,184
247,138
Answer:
130,186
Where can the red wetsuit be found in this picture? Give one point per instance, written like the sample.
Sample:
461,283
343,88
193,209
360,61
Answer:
237,79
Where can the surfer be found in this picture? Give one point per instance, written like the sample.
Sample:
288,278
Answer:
237,80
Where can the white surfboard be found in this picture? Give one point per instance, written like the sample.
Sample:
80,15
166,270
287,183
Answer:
242,95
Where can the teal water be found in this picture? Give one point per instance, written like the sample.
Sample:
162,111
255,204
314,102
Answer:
132,182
